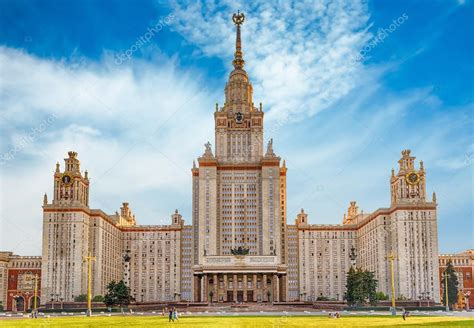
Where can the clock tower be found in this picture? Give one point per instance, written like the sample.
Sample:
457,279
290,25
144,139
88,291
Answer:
70,186
408,185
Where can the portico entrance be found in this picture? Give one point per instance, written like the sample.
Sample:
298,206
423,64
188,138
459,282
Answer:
239,287
239,278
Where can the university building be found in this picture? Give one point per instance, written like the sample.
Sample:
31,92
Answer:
20,276
463,264
238,246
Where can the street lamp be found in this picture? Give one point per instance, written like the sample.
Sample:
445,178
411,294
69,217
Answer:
391,257
35,299
89,259
446,288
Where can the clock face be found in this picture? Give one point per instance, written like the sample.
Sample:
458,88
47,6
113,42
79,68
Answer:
66,179
239,117
412,178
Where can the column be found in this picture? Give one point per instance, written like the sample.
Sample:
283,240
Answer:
283,288
234,286
244,280
205,288
254,285
195,283
216,288
225,288
264,289
276,288
197,288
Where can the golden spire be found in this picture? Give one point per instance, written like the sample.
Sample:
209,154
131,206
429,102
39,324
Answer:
238,61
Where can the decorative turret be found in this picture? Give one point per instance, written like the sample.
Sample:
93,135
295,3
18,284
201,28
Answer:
176,218
352,212
72,163
45,199
408,185
70,187
302,218
407,162
126,217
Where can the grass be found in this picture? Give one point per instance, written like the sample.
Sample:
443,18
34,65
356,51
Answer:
243,321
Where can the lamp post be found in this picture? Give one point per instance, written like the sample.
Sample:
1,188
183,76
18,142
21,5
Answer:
391,258
35,299
446,289
89,259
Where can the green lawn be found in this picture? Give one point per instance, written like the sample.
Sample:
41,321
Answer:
242,321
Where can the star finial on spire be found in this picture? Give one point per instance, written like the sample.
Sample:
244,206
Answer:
238,61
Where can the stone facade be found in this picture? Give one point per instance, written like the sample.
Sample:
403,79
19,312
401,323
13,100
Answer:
239,246
463,263
147,258
18,277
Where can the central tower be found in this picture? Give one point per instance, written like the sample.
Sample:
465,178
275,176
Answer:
239,191
238,124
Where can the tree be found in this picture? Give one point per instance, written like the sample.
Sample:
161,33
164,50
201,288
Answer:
381,296
350,286
370,286
361,287
453,284
80,298
98,298
117,294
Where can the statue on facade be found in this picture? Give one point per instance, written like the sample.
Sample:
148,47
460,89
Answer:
240,251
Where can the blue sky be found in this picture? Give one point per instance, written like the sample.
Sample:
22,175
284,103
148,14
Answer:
339,106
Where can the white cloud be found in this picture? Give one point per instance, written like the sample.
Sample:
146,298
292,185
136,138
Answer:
136,129
298,54
138,126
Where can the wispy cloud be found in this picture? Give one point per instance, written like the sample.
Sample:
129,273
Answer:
298,54
136,128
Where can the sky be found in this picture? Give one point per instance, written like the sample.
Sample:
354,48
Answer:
132,86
